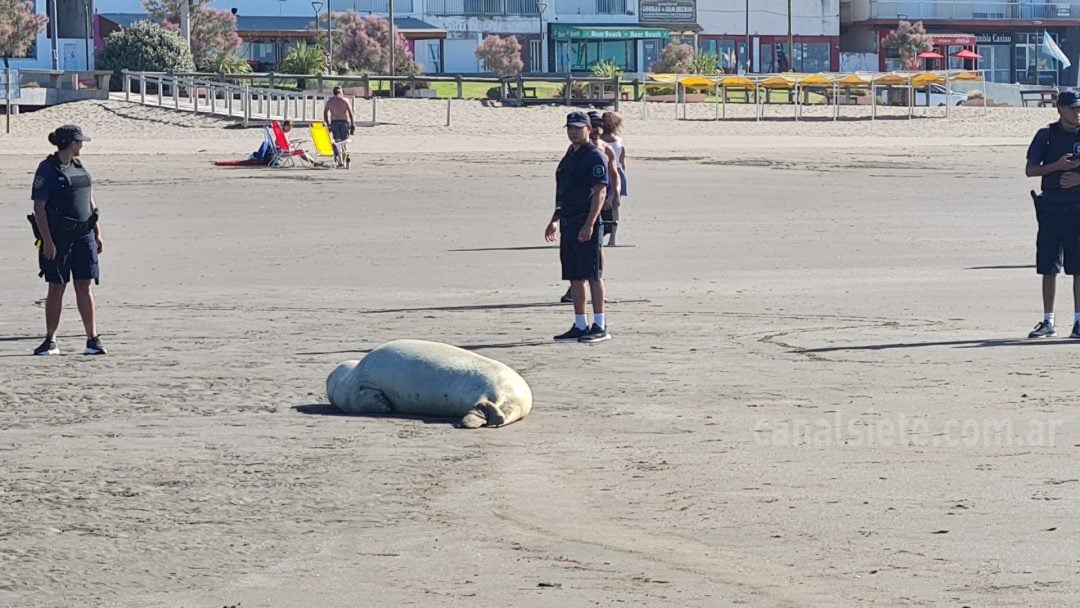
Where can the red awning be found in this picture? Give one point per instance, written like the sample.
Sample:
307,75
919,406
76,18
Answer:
931,55
952,39
966,54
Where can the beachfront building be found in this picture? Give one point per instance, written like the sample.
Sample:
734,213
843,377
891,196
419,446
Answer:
555,35
267,39
1006,34
754,36
74,35
561,36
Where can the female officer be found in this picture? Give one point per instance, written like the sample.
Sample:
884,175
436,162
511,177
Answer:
66,218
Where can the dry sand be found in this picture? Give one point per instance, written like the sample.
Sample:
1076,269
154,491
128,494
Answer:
818,393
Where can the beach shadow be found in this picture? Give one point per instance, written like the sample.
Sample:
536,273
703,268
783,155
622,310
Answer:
323,409
987,343
487,307
531,248
19,338
364,351
1002,267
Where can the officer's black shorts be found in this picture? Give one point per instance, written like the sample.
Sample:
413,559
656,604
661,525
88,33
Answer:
76,258
580,261
339,129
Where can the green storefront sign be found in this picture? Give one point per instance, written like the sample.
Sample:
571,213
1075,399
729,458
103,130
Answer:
582,32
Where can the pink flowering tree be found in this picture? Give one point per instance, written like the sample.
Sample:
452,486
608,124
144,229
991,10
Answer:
501,55
19,27
362,44
214,41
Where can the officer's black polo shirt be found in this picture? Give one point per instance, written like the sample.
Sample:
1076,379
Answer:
578,173
1050,144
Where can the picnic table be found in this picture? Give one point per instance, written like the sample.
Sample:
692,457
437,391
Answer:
1044,97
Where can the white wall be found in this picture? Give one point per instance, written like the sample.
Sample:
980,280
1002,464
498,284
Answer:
770,17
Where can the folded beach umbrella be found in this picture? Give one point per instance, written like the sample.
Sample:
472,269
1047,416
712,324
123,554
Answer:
966,54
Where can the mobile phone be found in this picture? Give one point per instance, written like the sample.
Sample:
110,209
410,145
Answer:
1075,152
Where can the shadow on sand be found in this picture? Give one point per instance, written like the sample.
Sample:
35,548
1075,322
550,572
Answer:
322,409
987,343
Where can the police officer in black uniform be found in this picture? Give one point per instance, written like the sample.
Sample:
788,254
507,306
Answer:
65,219
581,186
1054,156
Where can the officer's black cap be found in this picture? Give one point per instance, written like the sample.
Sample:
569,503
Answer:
577,119
71,133
1068,99
595,119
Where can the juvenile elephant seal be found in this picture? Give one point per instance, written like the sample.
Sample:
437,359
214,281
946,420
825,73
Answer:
430,379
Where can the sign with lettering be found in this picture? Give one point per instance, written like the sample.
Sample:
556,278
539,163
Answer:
994,38
667,11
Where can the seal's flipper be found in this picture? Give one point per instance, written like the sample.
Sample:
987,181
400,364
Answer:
485,413
473,420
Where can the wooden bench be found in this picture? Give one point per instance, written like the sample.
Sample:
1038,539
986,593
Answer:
1043,97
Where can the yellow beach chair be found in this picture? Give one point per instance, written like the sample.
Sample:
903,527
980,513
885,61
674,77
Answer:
324,143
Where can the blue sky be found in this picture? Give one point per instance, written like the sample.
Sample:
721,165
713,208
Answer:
301,8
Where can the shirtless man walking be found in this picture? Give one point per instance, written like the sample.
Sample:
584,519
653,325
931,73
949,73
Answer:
338,114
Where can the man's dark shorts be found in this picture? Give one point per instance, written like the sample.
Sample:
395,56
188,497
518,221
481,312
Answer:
76,258
580,261
340,129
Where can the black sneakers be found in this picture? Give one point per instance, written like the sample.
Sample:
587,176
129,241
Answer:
94,347
573,335
48,347
594,335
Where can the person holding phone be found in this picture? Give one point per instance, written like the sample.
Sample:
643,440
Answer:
1054,157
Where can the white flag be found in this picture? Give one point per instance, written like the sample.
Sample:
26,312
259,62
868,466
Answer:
1049,47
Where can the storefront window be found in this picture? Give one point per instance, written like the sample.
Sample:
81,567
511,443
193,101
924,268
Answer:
997,61
812,57
582,55
1032,66
725,51
893,62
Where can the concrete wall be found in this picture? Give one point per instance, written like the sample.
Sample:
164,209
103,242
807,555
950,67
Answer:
770,17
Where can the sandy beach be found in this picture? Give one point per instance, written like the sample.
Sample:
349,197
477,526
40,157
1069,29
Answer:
819,391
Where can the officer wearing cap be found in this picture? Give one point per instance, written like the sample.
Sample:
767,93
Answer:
1054,156
581,187
65,219
338,115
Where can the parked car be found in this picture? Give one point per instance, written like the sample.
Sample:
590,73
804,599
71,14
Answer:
940,96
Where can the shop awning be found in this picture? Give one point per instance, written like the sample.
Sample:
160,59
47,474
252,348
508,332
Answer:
951,39
585,32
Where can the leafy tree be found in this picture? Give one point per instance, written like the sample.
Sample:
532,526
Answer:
19,27
362,44
145,47
303,58
501,55
909,40
228,64
213,33
675,59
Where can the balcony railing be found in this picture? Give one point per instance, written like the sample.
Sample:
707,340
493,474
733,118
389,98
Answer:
382,7
1041,10
482,8
590,7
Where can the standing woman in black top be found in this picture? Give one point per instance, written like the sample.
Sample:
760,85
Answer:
66,220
